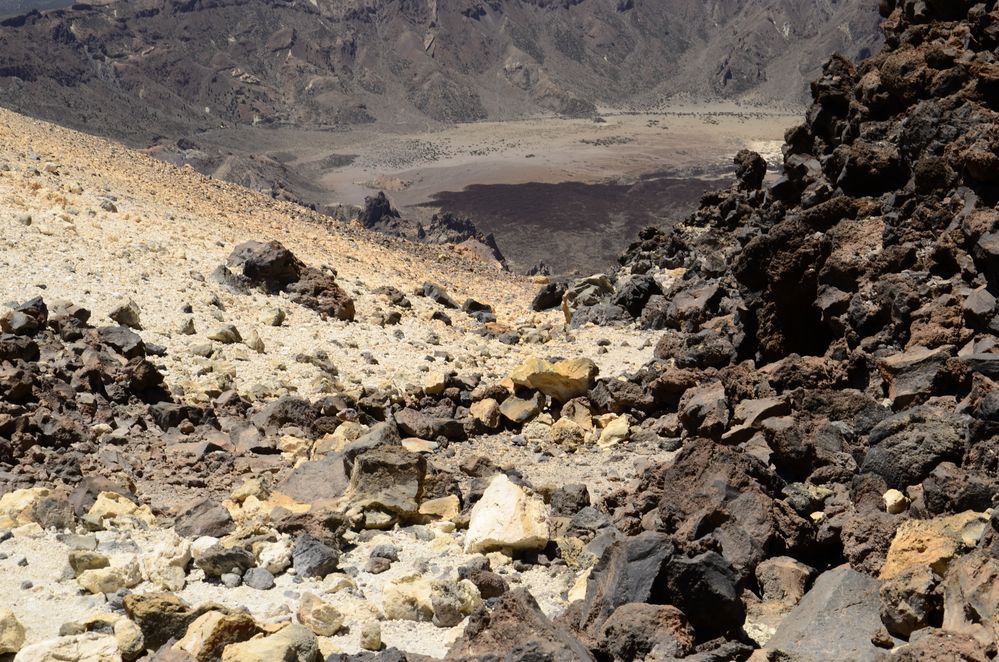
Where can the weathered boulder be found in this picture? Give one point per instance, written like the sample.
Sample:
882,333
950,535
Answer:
634,630
218,560
161,616
933,544
292,643
517,629
911,601
507,517
204,517
834,622
520,410
971,598
563,380
783,579
388,479
12,633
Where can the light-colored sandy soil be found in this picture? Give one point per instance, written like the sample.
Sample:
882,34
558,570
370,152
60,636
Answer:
173,227
414,165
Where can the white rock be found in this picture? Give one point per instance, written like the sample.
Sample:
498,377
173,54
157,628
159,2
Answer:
88,647
615,432
506,517
110,580
202,545
275,556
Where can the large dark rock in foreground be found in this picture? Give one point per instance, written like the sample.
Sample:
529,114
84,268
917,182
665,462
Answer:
834,622
516,629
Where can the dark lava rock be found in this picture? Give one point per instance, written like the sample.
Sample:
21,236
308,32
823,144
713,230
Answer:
705,588
437,294
550,295
517,629
205,517
907,447
217,561
273,268
635,629
835,621
312,558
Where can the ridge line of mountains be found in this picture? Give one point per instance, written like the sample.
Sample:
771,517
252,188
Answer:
173,67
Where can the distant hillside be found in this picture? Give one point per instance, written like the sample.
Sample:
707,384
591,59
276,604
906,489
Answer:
145,67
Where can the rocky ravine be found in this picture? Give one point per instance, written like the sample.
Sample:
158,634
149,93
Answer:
803,468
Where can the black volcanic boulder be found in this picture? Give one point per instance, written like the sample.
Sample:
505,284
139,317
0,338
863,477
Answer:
376,208
318,290
273,268
750,170
268,265
635,293
706,589
906,448
516,629
627,572
550,295
718,496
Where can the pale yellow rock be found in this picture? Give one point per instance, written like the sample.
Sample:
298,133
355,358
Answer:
256,487
578,413
934,543
412,598
128,635
293,643
322,618
895,502
345,433
615,432
275,556
293,447
111,507
563,381
434,382
87,647
371,636
16,507
213,631
414,445
487,412
566,432
29,530
110,580
578,590
408,599
166,565
336,582
255,343
446,508
506,517
12,633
